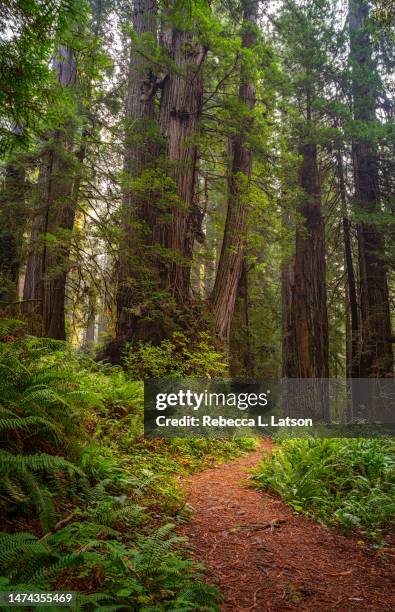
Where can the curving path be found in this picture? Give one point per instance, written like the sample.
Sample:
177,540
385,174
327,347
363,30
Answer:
264,557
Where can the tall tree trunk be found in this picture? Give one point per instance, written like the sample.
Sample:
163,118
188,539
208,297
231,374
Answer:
289,364
32,305
12,222
60,223
137,278
304,307
180,110
240,354
288,351
46,270
352,365
376,355
231,259
310,319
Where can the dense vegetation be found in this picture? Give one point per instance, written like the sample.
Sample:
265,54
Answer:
342,482
87,504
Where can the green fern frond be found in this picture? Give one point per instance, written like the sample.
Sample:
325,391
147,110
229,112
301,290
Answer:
106,513
31,423
20,544
200,593
45,574
42,500
11,326
37,463
97,492
85,397
155,549
81,532
43,395
6,411
21,536
13,488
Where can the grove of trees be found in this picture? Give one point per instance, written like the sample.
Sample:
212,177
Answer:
193,166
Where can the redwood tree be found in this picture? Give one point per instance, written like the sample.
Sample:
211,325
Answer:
180,111
305,319
310,320
230,264
53,220
136,271
376,355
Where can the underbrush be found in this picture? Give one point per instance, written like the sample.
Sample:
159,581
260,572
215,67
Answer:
345,482
87,504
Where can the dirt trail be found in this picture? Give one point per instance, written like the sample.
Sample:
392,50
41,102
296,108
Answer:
264,557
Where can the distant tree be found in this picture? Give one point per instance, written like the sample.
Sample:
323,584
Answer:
305,343
376,358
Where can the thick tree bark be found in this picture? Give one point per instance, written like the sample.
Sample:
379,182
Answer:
180,110
288,351
304,307
310,320
137,276
210,240
32,305
376,356
60,223
231,259
53,220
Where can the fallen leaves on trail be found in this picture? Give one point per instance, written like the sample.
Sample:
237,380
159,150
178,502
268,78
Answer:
264,557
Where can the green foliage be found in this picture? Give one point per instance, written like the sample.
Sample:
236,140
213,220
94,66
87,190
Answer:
28,32
346,482
85,501
11,327
178,357
149,575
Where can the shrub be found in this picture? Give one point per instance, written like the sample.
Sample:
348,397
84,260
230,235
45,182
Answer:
178,357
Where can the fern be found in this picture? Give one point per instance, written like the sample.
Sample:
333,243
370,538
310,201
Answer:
42,500
45,574
40,394
45,395
29,423
11,327
80,532
199,593
155,549
107,514
19,543
99,601
10,463
22,468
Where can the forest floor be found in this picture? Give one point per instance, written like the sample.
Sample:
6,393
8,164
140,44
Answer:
263,556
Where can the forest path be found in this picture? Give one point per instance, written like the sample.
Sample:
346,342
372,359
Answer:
264,557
